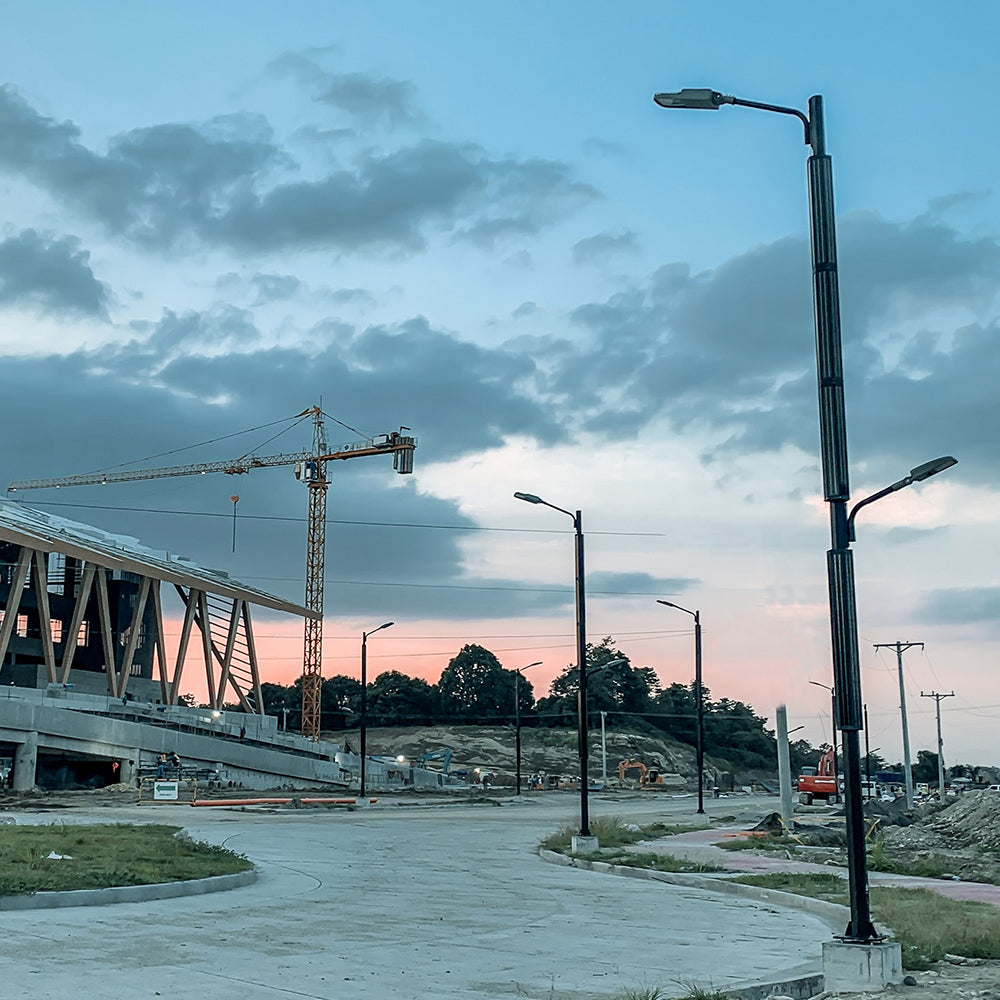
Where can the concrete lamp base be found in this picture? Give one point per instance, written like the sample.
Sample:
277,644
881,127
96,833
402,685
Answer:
855,967
583,845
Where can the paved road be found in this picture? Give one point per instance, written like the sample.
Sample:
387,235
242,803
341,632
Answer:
396,902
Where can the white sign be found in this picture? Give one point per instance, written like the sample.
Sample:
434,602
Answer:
164,790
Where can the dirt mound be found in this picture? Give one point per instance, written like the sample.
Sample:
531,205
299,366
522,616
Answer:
973,820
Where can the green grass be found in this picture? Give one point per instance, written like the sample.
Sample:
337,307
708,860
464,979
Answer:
927,925
763,842
610,831
649,859
105,855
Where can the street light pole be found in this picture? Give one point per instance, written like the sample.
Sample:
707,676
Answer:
699,702
833,735
517,720
581,653
364,701
836,487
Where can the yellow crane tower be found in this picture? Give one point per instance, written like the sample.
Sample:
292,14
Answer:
310,468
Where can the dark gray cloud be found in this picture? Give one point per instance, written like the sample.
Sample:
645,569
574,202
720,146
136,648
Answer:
218,182
637,583
367,99
604,246
962,606
49,273
731,350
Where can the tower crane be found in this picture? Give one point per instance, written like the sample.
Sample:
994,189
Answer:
310,468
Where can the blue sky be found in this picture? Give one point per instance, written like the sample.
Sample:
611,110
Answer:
473,221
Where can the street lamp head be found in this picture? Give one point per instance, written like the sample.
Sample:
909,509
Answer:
528,498
695,98
537,663
932,468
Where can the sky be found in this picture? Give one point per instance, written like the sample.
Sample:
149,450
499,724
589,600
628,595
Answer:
472,221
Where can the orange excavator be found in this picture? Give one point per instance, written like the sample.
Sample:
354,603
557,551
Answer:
647,776
819,783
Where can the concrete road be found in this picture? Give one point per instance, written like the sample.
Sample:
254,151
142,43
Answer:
405,902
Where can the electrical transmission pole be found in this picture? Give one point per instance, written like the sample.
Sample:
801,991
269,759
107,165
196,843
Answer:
937,704
900,648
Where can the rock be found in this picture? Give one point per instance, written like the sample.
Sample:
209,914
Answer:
909,981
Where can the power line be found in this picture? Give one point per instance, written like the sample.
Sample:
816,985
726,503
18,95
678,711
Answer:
373,524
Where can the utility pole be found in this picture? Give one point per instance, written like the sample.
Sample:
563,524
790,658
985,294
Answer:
937,704
901,648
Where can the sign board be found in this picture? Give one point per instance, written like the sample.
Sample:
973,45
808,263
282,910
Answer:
165,790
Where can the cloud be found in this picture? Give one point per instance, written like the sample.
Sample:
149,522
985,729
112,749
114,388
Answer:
962,606
51,274
904,535
609,583
598,249
369,100
730,351
218,183
275,287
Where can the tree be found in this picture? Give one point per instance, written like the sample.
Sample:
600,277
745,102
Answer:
621,688
474,686
395,699
926,767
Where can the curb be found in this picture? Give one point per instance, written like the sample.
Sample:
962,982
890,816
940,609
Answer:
128,893
800,987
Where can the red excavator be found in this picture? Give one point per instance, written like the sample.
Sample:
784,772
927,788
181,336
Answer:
819,783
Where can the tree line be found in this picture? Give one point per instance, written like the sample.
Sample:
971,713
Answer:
475,688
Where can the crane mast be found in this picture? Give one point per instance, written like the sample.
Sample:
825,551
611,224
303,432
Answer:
310,468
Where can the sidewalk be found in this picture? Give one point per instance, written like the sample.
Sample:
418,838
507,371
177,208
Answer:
700,846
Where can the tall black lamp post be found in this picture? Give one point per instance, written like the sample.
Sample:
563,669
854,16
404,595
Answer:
699,701
836,487
517,720
364,700
581,653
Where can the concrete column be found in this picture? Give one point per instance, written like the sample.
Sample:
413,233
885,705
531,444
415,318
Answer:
784,766
128,767
25,762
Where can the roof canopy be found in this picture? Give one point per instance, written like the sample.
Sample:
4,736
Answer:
36,529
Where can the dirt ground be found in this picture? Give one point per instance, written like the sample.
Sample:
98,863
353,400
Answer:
974,979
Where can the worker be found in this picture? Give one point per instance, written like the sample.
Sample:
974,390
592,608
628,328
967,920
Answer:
161,765
175,761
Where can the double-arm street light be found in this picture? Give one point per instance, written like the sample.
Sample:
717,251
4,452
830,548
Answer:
364,700
517,720
836,488
699,702
581,651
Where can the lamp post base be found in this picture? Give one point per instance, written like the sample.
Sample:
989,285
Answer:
857,967
583,845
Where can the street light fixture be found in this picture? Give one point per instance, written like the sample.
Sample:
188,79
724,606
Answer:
699,702
833,735
836,488
917,475
364,700
581,652
517,720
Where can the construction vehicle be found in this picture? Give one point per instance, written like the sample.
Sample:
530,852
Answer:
647,776
310,468
443,755
819,783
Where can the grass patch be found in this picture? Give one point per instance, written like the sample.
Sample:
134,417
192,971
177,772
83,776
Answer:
103,855
650,859
927,926
611,831
880,859
759,842
930,926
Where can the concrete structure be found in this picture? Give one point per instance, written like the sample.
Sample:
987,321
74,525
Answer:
849,966
83,607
